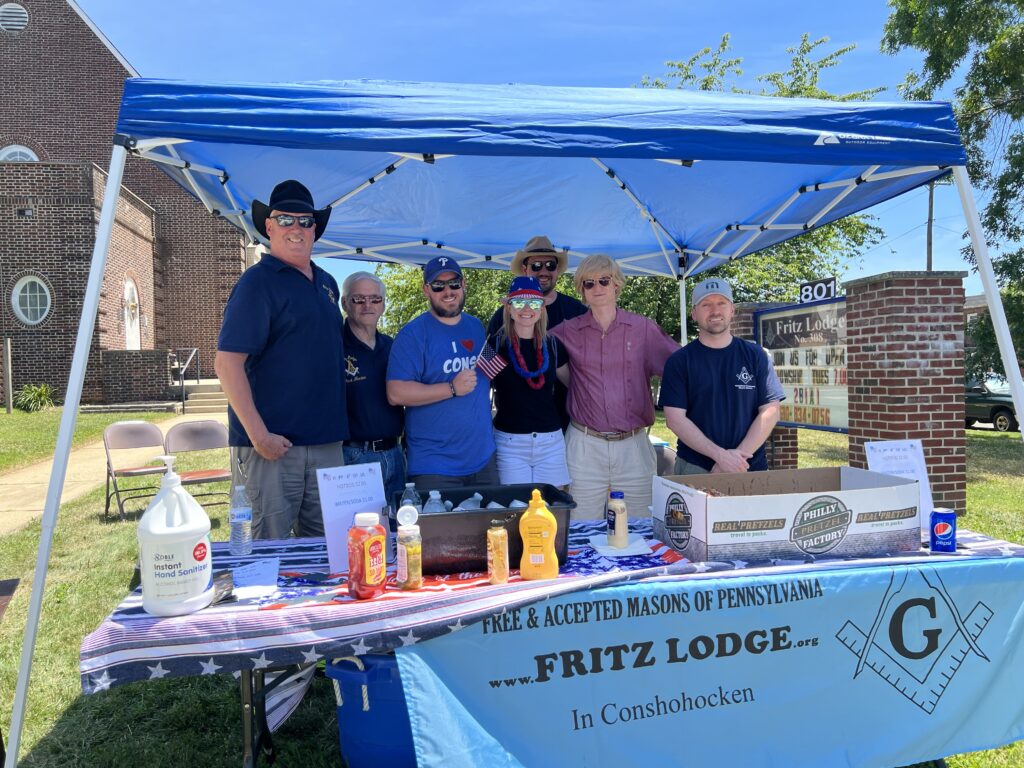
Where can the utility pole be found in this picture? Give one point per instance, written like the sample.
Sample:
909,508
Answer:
931,216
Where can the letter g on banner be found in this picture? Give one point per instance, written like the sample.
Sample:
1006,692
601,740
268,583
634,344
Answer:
897,629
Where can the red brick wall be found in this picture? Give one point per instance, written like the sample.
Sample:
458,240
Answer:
60,92
137,376
905,348
55,244
782,448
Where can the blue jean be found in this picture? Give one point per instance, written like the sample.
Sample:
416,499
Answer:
392,466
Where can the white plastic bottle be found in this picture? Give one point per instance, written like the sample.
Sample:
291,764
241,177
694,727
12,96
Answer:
240,519
174,551
434,504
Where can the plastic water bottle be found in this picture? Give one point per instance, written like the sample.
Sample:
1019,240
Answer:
240,518
434,504
411,498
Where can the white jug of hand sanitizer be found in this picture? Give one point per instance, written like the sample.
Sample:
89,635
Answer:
174,550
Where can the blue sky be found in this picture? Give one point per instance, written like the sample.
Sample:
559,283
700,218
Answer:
569,42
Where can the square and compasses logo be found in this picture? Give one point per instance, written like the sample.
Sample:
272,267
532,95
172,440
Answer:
918,638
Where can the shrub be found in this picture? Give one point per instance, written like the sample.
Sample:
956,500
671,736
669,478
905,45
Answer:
34,397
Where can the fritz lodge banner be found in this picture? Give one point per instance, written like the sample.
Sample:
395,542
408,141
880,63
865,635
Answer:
807,344
871,667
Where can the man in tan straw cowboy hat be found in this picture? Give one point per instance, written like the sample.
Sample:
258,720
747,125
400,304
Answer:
281,361
540,260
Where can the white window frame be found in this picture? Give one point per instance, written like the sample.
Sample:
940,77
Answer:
16,295
17,149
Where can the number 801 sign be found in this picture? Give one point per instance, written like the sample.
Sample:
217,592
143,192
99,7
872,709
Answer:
818,290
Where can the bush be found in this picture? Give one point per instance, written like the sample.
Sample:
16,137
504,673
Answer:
34,397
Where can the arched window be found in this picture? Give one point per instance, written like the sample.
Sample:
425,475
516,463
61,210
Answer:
31,300
16,153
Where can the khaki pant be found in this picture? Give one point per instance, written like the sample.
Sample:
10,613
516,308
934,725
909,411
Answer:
284,493
598,467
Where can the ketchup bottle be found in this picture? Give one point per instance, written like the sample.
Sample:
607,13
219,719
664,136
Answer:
366,548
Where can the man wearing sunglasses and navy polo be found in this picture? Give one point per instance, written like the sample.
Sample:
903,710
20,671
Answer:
540,260
432,372
281,361
375,425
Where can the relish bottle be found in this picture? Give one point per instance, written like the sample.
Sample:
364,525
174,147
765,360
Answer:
410,549
367,572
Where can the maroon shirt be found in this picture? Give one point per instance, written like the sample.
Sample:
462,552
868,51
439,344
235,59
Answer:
610,371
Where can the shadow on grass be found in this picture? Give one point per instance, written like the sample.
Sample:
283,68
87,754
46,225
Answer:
181,722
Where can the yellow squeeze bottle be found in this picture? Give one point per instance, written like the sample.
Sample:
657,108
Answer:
538,527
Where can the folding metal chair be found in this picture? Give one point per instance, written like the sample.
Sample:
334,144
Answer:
200,436
125,435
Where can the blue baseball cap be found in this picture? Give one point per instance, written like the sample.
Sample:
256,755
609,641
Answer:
438,266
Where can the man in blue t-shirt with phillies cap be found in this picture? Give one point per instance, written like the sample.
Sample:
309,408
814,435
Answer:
432,372
720,393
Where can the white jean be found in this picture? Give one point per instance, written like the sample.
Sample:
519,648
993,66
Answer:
533,457
600,466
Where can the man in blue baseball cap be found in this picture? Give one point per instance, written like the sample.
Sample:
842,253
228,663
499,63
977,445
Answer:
432,372
281,361
720,393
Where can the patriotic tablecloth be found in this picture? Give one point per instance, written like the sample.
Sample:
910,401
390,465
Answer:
311,617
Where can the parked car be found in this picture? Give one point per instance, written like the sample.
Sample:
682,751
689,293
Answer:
989,399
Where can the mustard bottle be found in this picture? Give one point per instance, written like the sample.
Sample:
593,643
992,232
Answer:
538,527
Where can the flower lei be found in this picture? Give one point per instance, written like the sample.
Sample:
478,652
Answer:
534,378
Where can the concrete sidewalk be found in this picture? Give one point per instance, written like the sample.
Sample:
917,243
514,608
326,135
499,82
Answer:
23,491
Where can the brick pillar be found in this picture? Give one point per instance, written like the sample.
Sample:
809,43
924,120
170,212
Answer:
905,368
781,449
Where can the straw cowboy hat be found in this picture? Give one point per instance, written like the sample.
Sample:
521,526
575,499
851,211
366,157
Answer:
289,197
539,247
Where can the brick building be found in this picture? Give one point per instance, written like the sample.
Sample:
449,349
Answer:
171,264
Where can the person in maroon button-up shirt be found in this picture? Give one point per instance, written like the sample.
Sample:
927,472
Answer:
612,356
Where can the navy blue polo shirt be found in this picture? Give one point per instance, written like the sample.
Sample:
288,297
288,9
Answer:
721,391
291,329
370,415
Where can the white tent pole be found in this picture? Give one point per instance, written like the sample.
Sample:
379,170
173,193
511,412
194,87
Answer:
682,311
988,280
72,398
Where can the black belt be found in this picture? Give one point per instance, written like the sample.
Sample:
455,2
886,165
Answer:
384,444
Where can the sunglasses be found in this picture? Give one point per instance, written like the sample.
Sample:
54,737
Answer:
286,220
357,298
534,304
550,266
439,285
588,284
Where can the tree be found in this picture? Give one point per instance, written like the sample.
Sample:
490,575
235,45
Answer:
978,47
984,355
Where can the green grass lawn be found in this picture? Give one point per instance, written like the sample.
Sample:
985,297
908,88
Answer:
29,437
196,721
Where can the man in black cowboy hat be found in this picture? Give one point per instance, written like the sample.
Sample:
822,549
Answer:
281,361
540,260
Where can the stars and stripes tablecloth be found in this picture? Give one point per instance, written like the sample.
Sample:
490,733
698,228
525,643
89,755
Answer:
311,617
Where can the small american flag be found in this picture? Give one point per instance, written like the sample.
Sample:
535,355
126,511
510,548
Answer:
490,363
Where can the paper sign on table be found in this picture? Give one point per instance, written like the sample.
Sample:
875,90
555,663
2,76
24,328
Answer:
256,579
344,491
904,458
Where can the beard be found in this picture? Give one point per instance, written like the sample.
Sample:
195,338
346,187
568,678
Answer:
443,310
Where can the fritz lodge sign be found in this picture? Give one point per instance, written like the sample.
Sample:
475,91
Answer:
807,344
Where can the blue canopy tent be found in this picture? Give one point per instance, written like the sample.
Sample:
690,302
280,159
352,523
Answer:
669,183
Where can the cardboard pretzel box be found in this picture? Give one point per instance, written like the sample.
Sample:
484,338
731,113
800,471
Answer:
787,514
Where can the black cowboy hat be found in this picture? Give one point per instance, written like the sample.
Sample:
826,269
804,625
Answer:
289,197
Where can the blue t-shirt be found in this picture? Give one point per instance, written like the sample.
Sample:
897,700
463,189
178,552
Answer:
291,329
452,437
370,415
721,391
